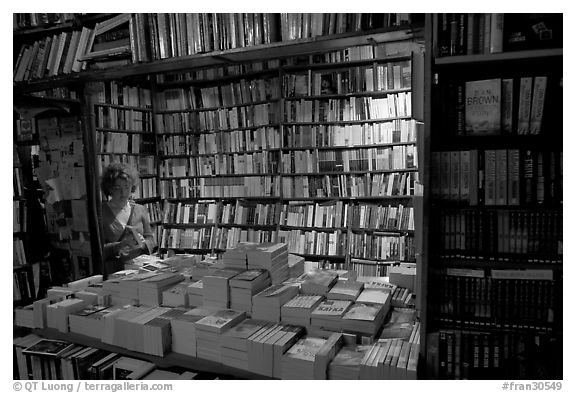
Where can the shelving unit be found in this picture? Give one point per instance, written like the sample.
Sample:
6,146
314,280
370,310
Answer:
495,244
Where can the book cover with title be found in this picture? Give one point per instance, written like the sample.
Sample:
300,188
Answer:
483,107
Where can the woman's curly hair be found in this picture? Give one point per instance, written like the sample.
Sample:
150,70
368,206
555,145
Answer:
115,171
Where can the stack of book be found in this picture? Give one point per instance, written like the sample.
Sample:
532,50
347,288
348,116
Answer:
375,296
256,348
237,257
195,294
57,313
43,356
20,343
150,289
297,310
244,286
130,368
157,337
400,325
328,314
209,330
234,342
88,321
318,282
298,361
121,326
102,369
381,360
295,265
272,257
364,318
291,334
203,268
24,316
128,288
346,363
176,296
216,289
266,305
183,328
382,283
345,290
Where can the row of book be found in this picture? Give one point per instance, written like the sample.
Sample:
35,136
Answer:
173,35
146,189
384,77
125,143
18,183
245,91
191,213
498,177
121,93
219,72
22,288
365,159
382,247
19,216
348,109
44,19
255,116
145,165
18,252
154,210
394,131
261,138
47,359
470,232
373,184
498,106
54,55
475,355
217,187
122,119
470,34
515,299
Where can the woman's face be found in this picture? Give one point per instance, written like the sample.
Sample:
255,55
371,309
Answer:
121,190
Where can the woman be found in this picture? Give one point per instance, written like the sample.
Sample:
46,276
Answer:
126,225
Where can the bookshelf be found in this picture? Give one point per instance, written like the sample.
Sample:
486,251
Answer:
495,224
315,181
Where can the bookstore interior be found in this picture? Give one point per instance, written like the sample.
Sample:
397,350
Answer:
287,196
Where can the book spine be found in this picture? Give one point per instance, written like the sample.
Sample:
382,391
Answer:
524,104
538,97
496,33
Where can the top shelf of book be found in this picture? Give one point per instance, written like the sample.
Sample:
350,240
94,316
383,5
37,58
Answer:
497,57
275,50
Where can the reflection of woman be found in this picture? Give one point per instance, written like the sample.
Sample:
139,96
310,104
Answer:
126,225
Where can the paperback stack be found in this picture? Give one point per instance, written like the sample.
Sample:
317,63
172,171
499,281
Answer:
57,313
363,318
88,321
43,356
20,343
122,329
203,268
266,305
128,288
237,257
209,330
135,340
291,335
400,325
157,337
297,310
375,296
318,282
346,363
345,290
150,289
272,257
328,314
256,348
130,368
24,316
377,283
216,289
184,330
195,294
295,265
141,260
176,296
381,361
298,362
234,342
244,286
